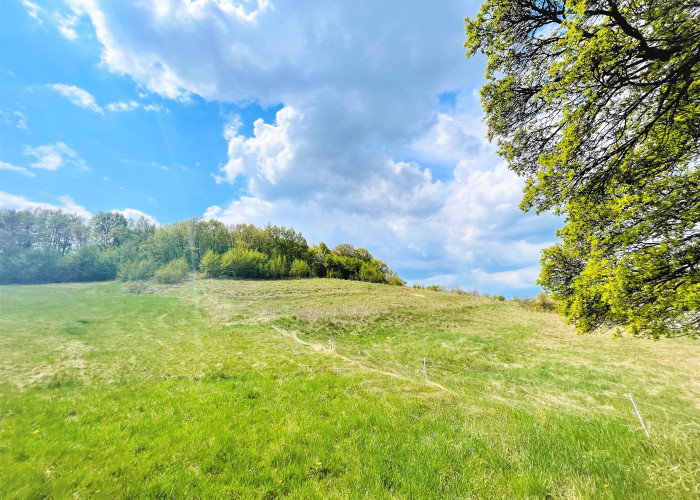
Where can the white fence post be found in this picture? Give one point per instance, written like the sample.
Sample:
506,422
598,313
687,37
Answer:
638,414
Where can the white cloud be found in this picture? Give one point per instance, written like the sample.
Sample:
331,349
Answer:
117,107
15,119
67,204
246,209
66,26
281,161
451,138
77,96
266,155
32,9
21,120
121,106
14,168
518,278
135,215
361,149
55,156
85,99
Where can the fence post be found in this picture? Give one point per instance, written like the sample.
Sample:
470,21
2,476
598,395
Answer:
638,414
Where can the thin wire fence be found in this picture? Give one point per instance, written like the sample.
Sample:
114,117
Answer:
510,391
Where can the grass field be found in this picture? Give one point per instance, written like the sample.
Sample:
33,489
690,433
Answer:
224,389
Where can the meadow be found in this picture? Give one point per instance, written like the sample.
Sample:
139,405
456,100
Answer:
325,388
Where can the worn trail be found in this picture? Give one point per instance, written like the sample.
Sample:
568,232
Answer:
323,349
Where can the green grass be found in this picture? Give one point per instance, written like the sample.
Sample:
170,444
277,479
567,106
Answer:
201,391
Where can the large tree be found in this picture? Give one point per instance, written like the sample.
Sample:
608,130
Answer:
596,103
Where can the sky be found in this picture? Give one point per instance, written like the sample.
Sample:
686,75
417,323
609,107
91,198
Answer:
353,121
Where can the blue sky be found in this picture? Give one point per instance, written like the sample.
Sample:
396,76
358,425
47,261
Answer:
349,121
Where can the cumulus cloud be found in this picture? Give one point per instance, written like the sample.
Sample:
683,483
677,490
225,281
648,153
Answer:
246,209
14,168
135,215
54,156
282,161
362,148
66,203
77,96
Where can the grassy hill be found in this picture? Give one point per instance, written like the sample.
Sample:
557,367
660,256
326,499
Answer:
231,389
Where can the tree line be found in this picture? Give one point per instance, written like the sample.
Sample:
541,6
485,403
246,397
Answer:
52,246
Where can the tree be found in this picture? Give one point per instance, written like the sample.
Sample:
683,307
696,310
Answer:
213,236
317,257
108,228
596,103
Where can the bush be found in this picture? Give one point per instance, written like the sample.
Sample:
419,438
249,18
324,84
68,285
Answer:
90,264
499,298
276,268
211,264
300,269
371,273
542,303
396,281
175,271
243,263
343,266
435,288
137,270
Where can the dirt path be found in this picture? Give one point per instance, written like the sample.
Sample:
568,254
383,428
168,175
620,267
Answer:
323,349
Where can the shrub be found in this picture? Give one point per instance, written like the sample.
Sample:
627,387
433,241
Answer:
370,272
175,271
242,263
300,269
543,303
343,267
276,268
90,264
137,270
395,281
499,298
435,288
211,264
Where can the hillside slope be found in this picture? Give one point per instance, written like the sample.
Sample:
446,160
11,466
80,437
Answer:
231,388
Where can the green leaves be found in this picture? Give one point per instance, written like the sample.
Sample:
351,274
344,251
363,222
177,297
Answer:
597,104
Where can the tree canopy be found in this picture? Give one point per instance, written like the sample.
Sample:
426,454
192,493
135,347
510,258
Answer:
596,103
43,246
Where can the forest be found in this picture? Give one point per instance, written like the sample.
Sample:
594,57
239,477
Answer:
52,246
